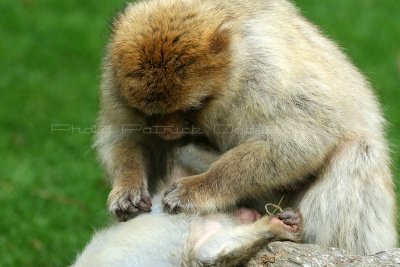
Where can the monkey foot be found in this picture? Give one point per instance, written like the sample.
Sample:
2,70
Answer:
290,220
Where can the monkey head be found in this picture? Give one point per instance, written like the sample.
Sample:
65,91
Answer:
163,66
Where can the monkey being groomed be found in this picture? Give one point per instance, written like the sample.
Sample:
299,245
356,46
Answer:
162,240
279,103
156,239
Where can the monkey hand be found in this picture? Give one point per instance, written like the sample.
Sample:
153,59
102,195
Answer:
126,203
186,195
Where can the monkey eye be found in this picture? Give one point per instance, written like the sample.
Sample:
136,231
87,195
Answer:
136,74
206,99
203,101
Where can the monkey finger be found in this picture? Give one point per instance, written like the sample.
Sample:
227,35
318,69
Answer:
125,215
172,209
144,205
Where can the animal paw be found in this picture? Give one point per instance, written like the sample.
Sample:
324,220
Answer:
291,219
188,195
177,199
126,203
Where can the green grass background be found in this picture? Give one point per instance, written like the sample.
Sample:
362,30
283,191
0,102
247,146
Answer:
52,190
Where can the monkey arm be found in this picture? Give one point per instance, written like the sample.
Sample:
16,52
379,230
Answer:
259,166
119,148
121,156
250,169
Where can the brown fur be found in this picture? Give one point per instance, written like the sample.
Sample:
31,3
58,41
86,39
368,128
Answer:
157,65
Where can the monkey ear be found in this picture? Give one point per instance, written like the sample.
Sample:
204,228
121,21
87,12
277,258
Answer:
220,39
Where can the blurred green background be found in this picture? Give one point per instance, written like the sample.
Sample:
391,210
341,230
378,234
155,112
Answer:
52,190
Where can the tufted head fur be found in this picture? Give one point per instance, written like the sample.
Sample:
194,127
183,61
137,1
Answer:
169,57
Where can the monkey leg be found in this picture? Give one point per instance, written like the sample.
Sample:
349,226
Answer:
351,205
214,244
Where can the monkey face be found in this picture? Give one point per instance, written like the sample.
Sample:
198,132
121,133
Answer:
165,71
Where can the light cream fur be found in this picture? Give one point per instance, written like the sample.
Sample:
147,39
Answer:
163,240
285,108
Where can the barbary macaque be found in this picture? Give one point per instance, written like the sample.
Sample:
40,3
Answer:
164,240
281,106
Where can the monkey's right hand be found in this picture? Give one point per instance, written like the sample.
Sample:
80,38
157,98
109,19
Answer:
126,203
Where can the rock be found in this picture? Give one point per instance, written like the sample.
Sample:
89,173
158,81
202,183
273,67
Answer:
288,254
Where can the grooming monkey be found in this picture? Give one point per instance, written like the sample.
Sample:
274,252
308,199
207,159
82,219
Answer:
279,102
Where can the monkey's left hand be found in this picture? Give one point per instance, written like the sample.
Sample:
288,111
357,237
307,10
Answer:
187,195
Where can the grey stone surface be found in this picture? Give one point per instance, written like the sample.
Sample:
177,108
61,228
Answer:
288,254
